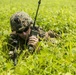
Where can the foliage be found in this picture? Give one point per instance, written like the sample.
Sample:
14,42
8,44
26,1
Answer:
53,59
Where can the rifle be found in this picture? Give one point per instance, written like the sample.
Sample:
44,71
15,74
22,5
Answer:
34,29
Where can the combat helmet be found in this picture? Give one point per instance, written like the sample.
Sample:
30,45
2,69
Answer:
20,20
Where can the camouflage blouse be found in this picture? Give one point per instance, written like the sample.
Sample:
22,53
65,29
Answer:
15,41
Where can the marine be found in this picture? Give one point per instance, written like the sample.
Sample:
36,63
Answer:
20,37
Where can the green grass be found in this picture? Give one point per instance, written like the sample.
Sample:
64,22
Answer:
53,59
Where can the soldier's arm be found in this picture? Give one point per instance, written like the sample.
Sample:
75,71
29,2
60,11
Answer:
49,35
33,40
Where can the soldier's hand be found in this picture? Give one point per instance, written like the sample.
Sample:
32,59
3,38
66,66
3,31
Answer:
33,40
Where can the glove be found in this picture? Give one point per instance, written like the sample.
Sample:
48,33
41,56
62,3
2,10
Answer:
32,43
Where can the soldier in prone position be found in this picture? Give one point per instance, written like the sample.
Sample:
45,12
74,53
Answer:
21,26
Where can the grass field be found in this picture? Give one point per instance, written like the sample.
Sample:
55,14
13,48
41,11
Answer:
53,59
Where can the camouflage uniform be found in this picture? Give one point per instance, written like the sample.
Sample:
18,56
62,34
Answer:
19,21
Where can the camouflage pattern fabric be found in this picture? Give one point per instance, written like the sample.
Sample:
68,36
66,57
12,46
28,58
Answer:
20,20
